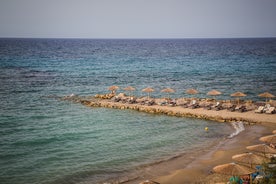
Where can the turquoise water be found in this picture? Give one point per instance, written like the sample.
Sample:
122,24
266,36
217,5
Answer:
44,140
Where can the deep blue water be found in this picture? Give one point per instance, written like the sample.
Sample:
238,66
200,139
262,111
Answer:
43,140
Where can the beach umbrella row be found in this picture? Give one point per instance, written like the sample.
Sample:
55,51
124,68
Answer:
192,91
235,169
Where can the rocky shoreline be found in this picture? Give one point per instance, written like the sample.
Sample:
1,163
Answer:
220,116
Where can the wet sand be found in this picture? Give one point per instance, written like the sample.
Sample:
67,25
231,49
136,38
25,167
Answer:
199,170
220,154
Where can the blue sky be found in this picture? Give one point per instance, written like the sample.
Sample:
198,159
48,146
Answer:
137,18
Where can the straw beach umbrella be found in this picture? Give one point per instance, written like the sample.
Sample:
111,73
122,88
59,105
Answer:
233,169
266,95
214,93
263,148
191,91
269,138
148,90
250,158
168,90
238,95
129,88
113,89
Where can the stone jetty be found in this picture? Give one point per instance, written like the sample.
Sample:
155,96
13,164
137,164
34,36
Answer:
249,117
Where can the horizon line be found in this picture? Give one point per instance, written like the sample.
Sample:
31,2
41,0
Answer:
88,38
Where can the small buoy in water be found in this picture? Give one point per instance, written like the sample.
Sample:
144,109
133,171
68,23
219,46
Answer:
206,129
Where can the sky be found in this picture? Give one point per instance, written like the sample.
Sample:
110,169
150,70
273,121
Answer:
137,18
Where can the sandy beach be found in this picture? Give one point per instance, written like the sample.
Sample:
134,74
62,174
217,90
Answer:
197,167
200,169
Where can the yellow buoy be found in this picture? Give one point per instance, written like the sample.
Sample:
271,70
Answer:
206,129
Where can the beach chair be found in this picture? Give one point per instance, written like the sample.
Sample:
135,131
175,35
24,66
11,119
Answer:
132,100
193,104
240,108
266,107
271,110
217,106
117,99
150,102
185,104
162,103
172,103
208,106
260,109
231,108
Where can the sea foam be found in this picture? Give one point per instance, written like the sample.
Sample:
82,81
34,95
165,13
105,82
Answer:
239,127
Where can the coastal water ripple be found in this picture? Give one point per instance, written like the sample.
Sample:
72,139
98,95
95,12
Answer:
44,140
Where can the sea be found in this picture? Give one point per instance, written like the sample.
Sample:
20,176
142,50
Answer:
44,140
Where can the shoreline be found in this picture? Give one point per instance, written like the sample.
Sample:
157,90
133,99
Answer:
222,153
198,166
248,117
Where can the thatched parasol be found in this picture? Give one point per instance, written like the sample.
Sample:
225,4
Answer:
191,91
129,88
167,90
263,148
233,169
250,158
266,95
113,89
238,94
214,93
269,138
148,90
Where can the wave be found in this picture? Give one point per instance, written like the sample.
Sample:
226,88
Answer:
239,127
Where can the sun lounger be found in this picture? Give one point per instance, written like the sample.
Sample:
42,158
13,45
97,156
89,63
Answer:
240,108
231,108
150,102
208,106
266,107
131,100
217,106
260,109
172,104
271,110
117,99
193,105
185,105
162,103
